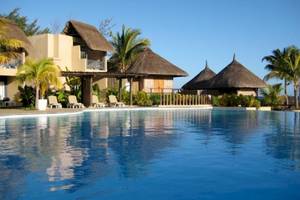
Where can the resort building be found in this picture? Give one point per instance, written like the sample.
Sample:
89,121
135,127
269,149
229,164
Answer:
8,83
200,83
234,79
81,51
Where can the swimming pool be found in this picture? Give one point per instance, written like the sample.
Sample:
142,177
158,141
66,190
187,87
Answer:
167,154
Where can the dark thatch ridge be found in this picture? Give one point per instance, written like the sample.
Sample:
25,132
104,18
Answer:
13,31
201,80
92,37
235,75
150,63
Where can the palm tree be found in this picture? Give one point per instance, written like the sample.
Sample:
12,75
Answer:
271,95
8,47
41,74
293,70
127,45
277,62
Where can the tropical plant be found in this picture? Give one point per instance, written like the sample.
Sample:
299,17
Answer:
127,45
26,96
271,95
8,47
233,100
40,74
74,84
155,98
142,99
29,28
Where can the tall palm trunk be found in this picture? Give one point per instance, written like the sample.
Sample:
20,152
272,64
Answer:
296,95
285,93
37,91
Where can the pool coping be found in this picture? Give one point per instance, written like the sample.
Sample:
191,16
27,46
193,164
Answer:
57,112
35,113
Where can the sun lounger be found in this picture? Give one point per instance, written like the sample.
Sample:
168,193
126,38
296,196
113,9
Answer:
73,103
114,102
96,103
53,102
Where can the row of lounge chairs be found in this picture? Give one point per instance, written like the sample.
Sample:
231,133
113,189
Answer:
73,103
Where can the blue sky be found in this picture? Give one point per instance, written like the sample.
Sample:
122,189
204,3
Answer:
187,32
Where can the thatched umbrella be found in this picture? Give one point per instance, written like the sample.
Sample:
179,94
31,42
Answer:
89,34
236,76
201,80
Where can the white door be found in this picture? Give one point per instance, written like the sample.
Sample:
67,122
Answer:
2,90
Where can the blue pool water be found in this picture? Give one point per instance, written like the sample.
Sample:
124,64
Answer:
183,154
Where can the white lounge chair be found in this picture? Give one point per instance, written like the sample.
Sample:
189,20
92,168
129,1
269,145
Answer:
53,102
73,103
114,102
96,103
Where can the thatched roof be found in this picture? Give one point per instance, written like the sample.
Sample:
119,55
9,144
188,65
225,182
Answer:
201,80
150,63
91,36
13,31
235,75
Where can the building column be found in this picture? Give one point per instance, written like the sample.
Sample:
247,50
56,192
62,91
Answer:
86,90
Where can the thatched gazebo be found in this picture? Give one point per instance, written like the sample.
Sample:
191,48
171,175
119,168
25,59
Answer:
236,78
155,74
200,81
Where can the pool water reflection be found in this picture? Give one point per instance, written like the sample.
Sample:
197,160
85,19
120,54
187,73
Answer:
183,154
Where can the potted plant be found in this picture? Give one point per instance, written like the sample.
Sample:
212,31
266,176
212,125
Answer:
40,74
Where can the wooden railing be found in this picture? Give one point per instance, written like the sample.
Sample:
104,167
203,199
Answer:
183,99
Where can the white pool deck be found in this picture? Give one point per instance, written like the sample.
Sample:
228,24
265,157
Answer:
22,113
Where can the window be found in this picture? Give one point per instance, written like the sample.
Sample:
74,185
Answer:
2,90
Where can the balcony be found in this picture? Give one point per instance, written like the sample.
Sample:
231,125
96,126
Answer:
96,65
12,64
10,68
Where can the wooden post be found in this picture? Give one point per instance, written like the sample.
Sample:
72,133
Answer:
167,99
130,91
86,90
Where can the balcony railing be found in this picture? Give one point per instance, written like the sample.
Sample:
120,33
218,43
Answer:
95,64
12,64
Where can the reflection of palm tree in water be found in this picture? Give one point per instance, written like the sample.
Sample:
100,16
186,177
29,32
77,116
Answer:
233,127
283,141
82,156
147,135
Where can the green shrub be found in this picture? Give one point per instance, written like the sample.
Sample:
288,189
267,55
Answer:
250,101
215,101
125,97
142,99
27,96
232,100
155,98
